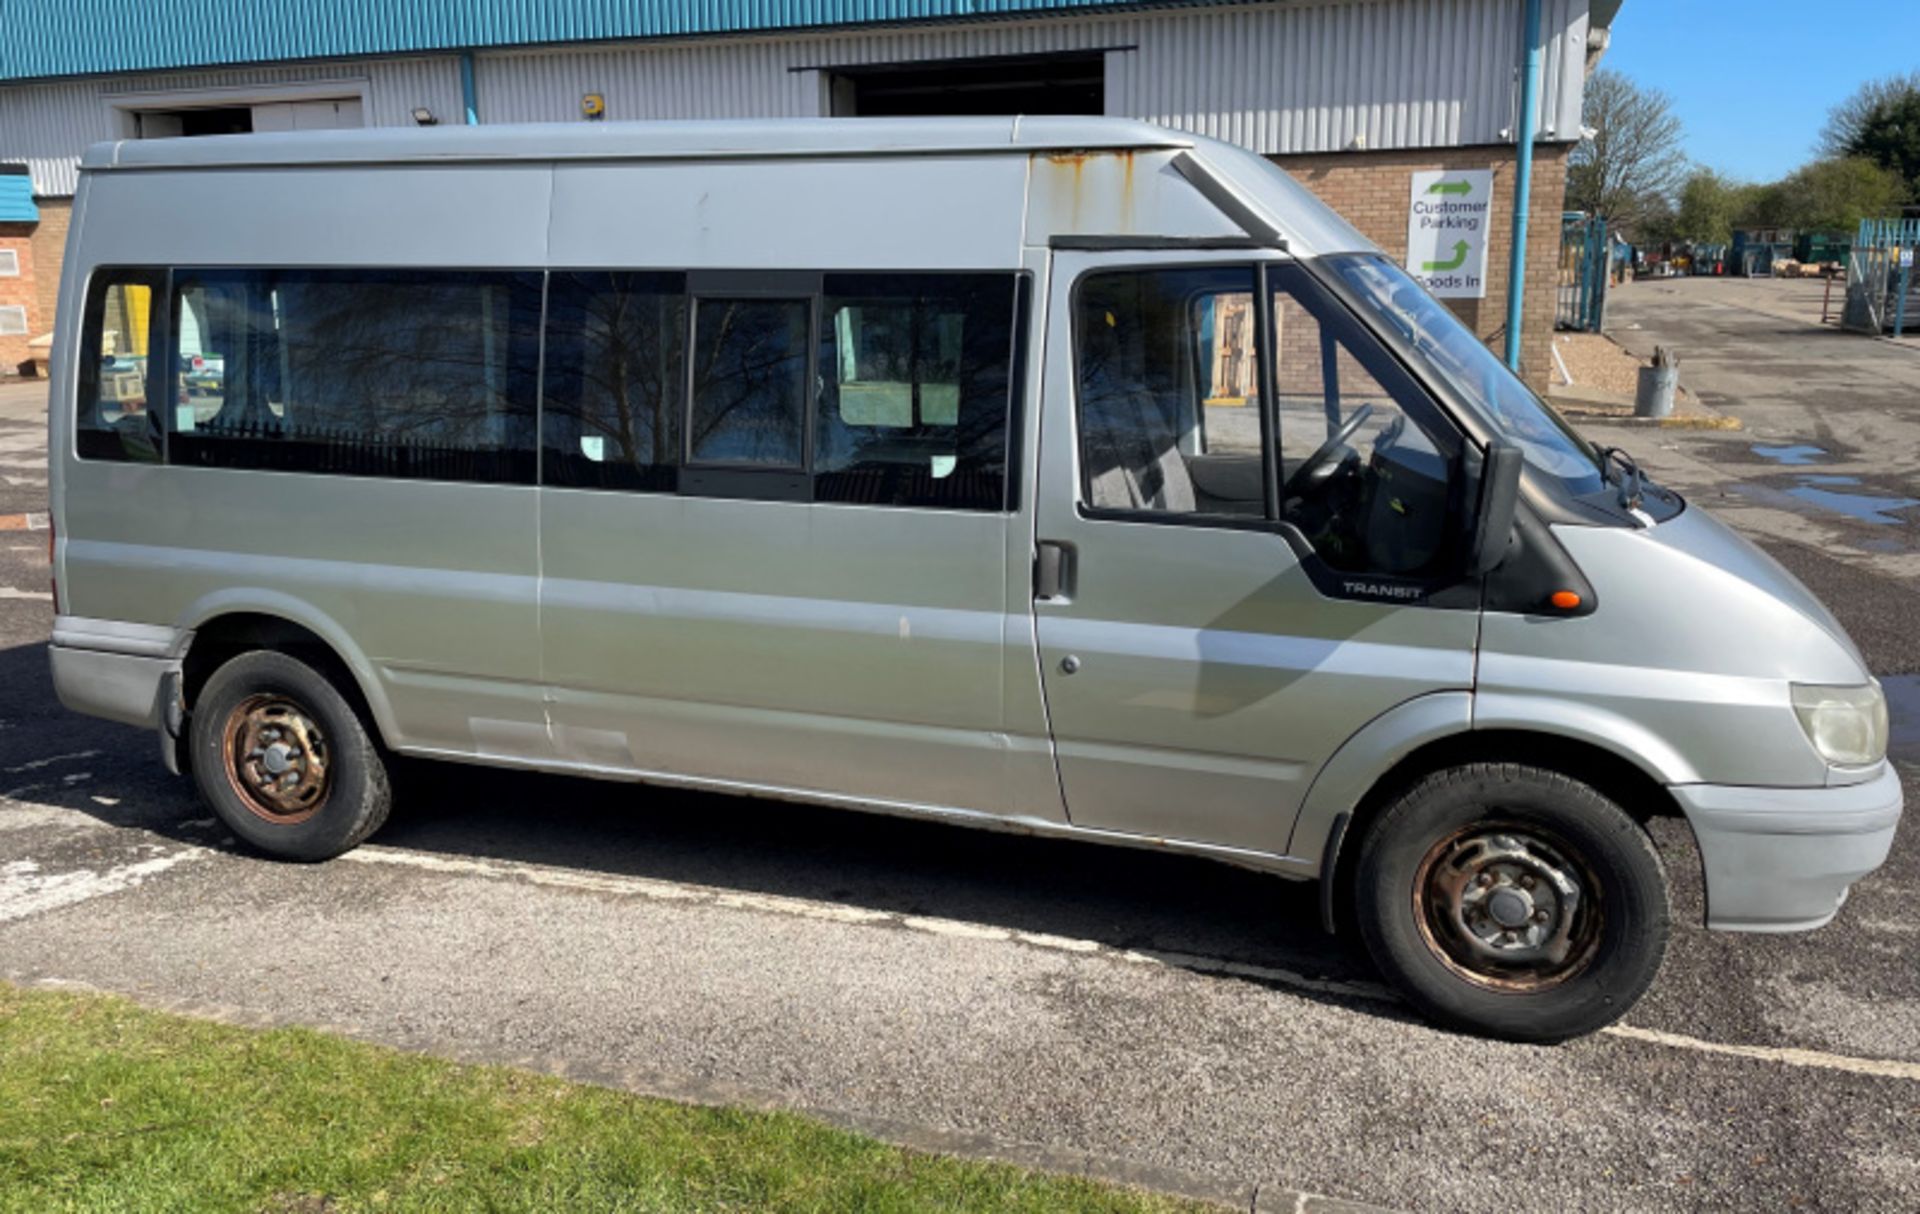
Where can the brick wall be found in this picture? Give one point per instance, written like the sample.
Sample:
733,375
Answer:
49,254
1373,191
40,247
18,238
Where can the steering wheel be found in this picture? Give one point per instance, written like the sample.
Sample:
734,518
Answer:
1321,465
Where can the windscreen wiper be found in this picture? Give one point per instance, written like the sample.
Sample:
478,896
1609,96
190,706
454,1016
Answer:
1615,462
1617,467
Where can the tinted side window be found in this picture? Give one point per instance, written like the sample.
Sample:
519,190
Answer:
114,420
615,380
749,382
913,405
418,374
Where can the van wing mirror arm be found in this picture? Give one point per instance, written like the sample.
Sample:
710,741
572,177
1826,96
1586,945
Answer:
1493,514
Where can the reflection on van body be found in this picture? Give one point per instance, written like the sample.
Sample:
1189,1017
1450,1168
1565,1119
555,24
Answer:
1071,476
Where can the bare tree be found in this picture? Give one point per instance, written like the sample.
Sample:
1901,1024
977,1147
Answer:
1847,122
1628,171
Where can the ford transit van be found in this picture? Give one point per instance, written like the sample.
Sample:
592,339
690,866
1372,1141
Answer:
1071,476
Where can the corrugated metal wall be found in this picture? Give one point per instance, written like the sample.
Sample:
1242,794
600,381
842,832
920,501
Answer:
47,126
1319,76
150,35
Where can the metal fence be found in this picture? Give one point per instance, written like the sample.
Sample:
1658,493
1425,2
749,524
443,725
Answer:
1883,293
1584,253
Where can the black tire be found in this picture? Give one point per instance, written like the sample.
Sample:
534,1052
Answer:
1541,965
328,791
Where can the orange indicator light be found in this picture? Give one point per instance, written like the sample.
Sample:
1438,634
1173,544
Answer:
1565,600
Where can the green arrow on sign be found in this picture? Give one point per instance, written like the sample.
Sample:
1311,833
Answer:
1450,187
1460,250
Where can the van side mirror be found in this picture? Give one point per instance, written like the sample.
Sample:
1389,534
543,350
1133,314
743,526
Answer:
1493,516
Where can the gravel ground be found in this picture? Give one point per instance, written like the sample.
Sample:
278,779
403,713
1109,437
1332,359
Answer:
1594,361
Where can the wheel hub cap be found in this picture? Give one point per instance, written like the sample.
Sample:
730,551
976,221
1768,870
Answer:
277,758
1510,909
1507,907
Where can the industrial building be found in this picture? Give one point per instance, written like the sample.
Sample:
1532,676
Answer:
1354,97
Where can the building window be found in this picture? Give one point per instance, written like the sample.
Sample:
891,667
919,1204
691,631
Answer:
1070,83
424,375
10,264
13,321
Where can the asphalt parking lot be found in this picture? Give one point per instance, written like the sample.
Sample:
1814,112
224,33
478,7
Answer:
1126,1009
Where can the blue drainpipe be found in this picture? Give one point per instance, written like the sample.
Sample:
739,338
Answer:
1523,183
469,97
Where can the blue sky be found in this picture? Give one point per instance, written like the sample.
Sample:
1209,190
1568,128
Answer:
1753,79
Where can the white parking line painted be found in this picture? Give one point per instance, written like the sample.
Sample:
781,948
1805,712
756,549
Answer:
1884,1068
673,891
26,890
10,592
50,760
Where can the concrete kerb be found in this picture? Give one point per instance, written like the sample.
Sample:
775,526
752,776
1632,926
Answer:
1584,404
1252,1196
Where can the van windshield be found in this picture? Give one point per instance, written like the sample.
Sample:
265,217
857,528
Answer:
1474,372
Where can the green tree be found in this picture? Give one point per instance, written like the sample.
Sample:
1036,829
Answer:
1711,206
1628,171
1831,196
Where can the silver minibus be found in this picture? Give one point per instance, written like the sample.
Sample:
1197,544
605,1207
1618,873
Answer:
1061,475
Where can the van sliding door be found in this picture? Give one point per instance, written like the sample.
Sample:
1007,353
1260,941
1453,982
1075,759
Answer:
774,529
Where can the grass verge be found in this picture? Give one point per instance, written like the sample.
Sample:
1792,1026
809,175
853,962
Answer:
106,1106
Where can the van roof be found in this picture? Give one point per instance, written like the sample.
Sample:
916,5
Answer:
784,137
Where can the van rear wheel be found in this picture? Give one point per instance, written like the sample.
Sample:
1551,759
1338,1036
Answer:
1512,901
284,759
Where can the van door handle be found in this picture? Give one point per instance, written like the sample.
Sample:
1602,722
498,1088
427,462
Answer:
1052,571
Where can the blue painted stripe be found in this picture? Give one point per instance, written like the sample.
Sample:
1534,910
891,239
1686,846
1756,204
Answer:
48,38
16,198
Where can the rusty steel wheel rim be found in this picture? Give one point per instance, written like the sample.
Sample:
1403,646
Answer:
277,759
1508,907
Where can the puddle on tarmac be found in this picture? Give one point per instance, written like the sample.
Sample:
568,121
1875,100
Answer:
1796,455
1862,507
1903,707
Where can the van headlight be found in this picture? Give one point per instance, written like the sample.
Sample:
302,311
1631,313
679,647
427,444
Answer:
1847,725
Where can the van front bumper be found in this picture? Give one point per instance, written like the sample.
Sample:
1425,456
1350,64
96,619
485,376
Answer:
1782,859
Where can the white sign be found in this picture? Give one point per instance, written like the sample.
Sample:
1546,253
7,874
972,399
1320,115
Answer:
1447,231
1906,258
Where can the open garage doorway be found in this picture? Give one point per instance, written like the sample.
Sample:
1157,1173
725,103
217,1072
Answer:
1068,83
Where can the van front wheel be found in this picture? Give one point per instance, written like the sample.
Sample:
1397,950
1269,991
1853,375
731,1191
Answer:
284,759
1513,901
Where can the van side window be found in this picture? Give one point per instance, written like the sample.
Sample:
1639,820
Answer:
750,382
115,420
1169,408
413,373
913,404
1174,420
615,380
1368,472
